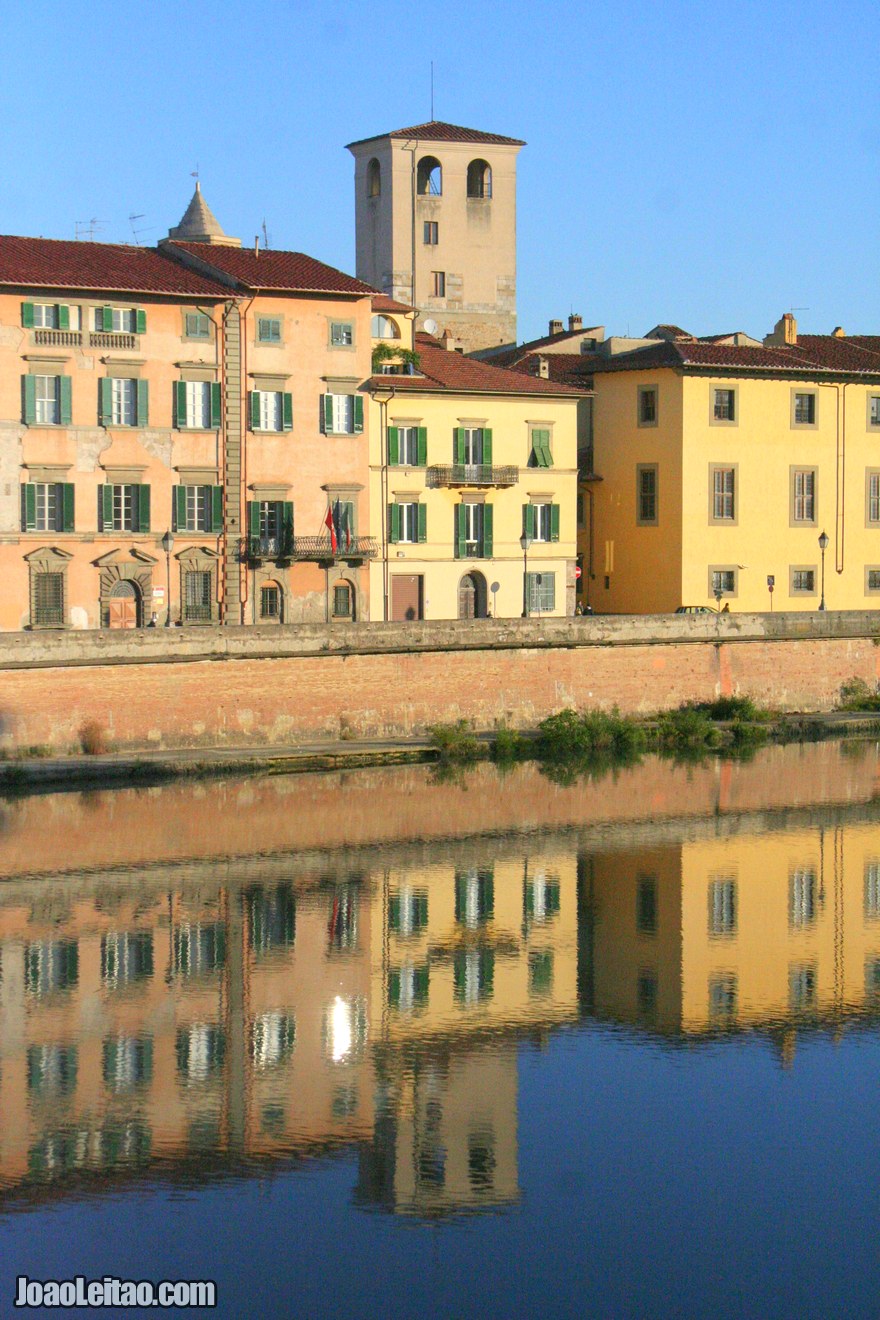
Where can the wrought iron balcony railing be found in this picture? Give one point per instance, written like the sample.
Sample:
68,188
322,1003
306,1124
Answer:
472,474
258,548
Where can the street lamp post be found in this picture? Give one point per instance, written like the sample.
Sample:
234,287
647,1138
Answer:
168,546
525,542
823,546
383,396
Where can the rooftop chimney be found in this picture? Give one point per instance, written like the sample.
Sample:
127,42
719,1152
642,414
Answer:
556,327
784,332
543,369
256,245
838,332
575,322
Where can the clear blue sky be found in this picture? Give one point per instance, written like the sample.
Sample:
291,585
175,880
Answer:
711,164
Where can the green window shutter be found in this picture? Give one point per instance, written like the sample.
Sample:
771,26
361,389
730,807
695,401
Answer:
420,985
459,445
29,395
105,401
216,508
487,530
328,414
143,508
179,508
393,523
216,406
29,507
287,412
529,520
107,317
459,531
255,410
358,413
179,403
68,493
554,522
141,321
106,508
394,912
548,457
487,445
63,316
27,315
143,402
66,400
422,446
541,448
393,445
423,522
287,525
254,517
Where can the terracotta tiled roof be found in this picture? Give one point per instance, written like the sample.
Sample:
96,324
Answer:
382,303
666,331
54,263
574,369
812,354
292,272
510,356
442,369
436,131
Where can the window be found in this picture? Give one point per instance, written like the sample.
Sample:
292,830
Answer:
346,1029
48,607
542,592
473,531
872,891
479,179
123,402
473,528
802,582
541,900
124,508
646,495
581,519
481,1161
50,965
51,1069
343,414
872,579
198,508
270,526
724,405
647,990
342,601
341,334
407,446
408,987
723,997
196,325
47,400
382,327
270,602
271,919
646,906
431,233
541,521
723,490
47,506
127,1062
197,595
126,958
408,522
473,975
802,897
540,972
374,178
803,408
45,316
801,987
271,410
120,320
474,898
268,329
438,283
198,950
197,396
201,1049
342,928
540,455
722,907
473,446
722,581
803,495
874,410
872,497
50,316
647,405
429,177
408,912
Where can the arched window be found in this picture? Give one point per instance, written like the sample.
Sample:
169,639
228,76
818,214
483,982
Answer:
271,602
382,327
342,600
429,177
374,178
479,179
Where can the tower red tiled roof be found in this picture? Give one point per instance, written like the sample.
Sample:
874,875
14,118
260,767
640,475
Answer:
55,263
437,131
290,272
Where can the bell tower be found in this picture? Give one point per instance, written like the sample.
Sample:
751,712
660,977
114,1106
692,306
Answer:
435,211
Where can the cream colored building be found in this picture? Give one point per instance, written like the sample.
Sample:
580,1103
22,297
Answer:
435,209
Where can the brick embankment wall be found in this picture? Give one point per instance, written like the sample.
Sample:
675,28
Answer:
241,687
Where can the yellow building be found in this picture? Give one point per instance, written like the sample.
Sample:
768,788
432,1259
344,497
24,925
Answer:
723,461
466,459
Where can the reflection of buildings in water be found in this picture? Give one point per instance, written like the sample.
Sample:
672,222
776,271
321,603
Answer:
202,1022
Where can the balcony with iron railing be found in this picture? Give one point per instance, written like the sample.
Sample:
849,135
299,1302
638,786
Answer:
60,338
472,474
318,548
111,339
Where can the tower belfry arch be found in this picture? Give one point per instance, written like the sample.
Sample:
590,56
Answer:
435,213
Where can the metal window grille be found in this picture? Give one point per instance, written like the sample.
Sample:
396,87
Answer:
542,592
270,603
49,598
197,595
803,579
647,495
342,601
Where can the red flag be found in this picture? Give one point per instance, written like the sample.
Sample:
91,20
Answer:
328,522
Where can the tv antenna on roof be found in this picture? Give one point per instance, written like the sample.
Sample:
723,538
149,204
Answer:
86,229
136,233
265,235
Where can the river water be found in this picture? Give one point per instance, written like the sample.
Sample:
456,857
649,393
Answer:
388,1043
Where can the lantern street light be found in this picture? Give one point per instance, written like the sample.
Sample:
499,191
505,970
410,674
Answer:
525,541
823,546
168,546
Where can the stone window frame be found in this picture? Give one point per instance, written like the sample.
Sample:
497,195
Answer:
269,343
724,522
797,390
196,339
648,467
723,568
793,470
197,559
724,421
796,592
869,590
333,321
48,559
642,392
869,423
869,473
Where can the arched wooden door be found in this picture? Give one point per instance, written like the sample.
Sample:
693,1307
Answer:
124,606
472,596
